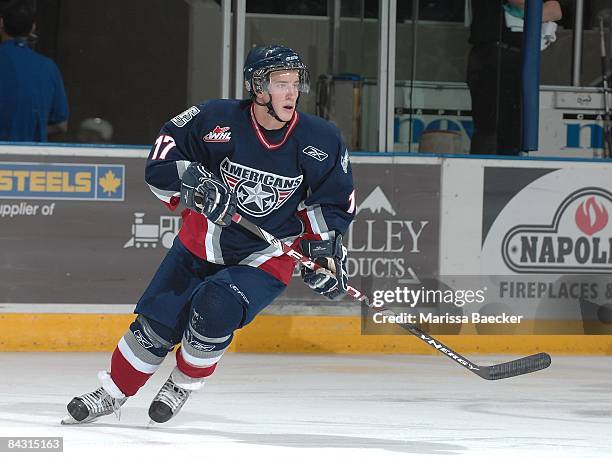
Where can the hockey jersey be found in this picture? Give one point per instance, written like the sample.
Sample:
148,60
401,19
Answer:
294,182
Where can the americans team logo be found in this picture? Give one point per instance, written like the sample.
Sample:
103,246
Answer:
258,193
218,135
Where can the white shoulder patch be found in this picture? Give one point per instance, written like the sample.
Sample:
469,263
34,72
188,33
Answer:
182,119
345,161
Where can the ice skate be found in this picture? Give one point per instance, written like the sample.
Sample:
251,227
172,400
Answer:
173,396
90,406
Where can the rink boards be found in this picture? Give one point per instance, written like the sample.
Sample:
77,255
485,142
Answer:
83,235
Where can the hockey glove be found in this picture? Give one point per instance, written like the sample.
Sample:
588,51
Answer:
205,193
331,279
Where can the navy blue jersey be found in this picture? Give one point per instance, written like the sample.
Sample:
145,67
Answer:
291,182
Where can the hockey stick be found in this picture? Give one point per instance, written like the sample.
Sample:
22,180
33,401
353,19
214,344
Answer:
513,368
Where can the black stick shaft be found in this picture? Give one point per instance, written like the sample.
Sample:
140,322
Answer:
504,370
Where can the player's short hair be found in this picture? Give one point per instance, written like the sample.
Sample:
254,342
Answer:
18,18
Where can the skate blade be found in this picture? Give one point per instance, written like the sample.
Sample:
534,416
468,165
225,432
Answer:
69,421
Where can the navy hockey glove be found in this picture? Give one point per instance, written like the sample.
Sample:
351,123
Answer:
331,280
205,193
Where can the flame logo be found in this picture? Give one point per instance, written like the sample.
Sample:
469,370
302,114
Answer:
591,217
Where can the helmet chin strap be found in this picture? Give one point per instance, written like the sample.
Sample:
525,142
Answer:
271,111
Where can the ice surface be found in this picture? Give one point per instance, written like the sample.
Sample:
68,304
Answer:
324,406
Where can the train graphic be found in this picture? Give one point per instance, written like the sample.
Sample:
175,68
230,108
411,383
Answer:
149,235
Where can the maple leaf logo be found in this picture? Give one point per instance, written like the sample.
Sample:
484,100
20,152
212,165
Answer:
110,183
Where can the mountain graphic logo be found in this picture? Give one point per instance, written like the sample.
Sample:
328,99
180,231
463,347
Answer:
376,202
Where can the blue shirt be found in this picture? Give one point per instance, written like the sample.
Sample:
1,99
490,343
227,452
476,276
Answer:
32,93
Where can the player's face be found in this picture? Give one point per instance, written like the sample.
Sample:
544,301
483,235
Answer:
284,91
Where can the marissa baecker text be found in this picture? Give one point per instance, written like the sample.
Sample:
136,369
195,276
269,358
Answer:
444,318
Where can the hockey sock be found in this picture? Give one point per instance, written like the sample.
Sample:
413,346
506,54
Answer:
199,355
138,354
215,314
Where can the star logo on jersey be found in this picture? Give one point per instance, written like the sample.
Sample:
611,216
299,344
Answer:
258,193
218,135
315,152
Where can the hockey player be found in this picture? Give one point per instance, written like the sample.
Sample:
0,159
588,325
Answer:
288,172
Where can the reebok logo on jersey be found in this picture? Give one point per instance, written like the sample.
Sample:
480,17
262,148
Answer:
218,135
316,153
258,193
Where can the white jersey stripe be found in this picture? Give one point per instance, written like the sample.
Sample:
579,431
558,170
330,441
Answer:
318,214
255,261
212,243
313,221
164,195
259,257
210,254
181,166
136,362
317,222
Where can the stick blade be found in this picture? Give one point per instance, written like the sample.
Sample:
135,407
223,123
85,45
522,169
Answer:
531,363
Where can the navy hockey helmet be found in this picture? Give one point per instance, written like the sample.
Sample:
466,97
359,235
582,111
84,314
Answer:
263,60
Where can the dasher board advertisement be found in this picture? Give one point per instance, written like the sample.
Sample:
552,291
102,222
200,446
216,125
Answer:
548,232
393,239
87,230
79,230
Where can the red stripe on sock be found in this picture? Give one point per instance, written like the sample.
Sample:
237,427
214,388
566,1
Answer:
127,378
191,370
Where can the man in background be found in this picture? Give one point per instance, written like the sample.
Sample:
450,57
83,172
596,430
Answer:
33,101
494,74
